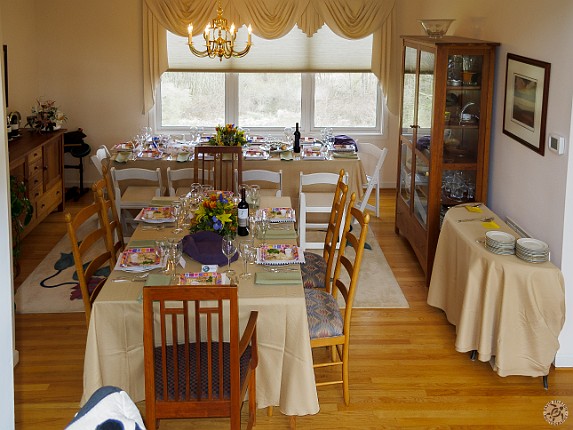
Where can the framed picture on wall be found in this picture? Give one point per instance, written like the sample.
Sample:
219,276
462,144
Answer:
5,49
525,107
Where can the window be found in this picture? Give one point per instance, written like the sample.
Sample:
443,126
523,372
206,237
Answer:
269,101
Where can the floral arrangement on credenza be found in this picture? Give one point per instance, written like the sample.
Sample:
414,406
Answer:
228,135
215,213
46,116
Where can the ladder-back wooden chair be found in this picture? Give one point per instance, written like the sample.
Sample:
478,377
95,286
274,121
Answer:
109,219
196,366
225,164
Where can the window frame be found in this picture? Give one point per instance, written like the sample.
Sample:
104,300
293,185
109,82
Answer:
307,126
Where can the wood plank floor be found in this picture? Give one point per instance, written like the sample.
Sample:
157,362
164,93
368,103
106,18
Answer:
404,372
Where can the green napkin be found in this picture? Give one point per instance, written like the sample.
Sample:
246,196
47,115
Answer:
286,156
163,201
122,157
141,244
345,155
157,279
275,233
280,278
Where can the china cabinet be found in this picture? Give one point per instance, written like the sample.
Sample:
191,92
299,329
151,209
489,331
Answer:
37,160
446,103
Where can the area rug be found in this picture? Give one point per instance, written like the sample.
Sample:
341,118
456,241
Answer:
49,287
377,286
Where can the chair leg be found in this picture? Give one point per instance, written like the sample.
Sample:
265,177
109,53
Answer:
252,401
377,200
269,411
302,222
345,391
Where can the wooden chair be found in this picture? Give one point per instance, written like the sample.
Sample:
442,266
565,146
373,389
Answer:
318,270
327,326
142,186
189,371
315,202
109,219
222,161
90,253
271,182
372,159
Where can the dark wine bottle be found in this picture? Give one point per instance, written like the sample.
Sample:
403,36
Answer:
296,147
243,215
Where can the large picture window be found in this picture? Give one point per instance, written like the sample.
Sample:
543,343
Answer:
269,101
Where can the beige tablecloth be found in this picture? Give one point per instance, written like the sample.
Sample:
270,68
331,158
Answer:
502,306
285,377
291,170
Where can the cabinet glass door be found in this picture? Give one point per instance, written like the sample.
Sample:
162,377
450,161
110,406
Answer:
405,172
409,92
421,190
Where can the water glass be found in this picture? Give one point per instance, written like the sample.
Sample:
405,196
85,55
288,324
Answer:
229,248
177,210
264,225
246,249
254,192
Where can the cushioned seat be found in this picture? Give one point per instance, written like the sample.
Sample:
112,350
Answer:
314,270
323,314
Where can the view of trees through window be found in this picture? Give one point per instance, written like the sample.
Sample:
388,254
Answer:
269,100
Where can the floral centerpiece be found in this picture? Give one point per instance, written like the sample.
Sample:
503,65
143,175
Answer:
46,116
215,213
228,135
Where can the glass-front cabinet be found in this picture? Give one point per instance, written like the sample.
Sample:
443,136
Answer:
447,91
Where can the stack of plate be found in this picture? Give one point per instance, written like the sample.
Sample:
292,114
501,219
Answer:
532,250
499,242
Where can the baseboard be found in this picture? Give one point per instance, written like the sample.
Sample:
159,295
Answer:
563,360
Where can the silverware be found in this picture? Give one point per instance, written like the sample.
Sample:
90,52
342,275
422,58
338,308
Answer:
487,219
137,278
279,269
476,205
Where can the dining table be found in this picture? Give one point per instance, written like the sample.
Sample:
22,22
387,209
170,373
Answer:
290,166
285,375
506,310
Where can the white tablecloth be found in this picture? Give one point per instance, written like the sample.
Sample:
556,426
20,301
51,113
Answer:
285,377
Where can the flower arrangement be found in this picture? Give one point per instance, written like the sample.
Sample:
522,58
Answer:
215,213
46,116
228,135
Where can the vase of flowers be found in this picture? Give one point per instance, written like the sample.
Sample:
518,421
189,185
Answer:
46,116
228,135
215,213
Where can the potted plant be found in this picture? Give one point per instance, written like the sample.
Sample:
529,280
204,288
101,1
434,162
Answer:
22,211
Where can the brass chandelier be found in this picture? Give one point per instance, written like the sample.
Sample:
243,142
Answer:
219,39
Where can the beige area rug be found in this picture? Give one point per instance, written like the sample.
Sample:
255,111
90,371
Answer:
377,287
50,285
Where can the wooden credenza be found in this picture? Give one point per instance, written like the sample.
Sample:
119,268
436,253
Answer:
38,160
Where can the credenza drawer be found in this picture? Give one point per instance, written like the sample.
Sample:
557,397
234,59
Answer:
49,200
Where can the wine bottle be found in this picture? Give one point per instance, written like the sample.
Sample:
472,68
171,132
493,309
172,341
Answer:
243,215
296,147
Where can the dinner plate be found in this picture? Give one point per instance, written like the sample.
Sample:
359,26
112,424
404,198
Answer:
200,278
500,237
277,214
279,255
155,215
138,259
256,154
533,245
183,156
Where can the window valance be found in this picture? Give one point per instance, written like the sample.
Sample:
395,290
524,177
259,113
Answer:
270,19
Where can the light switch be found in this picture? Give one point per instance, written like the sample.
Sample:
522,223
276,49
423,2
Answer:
557,144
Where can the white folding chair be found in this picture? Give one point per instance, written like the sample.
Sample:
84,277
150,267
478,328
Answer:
265,179
372,159
315,202
101,154
177,175
142,186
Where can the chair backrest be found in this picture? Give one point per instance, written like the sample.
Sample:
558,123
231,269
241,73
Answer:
187,334
136,174
102,153
334,227
325,178
92,242
109,219
263,178
222,161
347,270
372,158
174,175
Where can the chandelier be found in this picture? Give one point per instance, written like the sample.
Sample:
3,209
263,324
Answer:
219,39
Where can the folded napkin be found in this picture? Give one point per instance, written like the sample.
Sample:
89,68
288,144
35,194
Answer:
122,157
163,201
471,208
490,224
343,139
205,247
278,278
157,279
141,244
275,233
286,156
345,155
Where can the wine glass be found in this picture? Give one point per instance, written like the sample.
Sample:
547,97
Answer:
162,253
229,248
176,249
177,210
246,249
289,136
264,225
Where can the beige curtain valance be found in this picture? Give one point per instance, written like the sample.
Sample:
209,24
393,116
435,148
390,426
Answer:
270,19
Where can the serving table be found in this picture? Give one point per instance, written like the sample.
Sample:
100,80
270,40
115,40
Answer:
285,376
290,170
508,310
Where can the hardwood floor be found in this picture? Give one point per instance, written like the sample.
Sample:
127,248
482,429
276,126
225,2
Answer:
404,372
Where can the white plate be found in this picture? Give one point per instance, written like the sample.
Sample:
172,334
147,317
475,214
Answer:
499,236
534,245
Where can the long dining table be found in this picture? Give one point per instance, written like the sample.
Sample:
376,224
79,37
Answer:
290,169
285,376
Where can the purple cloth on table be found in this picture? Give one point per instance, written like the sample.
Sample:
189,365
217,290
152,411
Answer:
205,247
342,139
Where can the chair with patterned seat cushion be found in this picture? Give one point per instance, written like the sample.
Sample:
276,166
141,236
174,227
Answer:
109,218
196,366
318,269
327,326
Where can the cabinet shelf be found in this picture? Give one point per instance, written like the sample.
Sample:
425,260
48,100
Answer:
454,167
